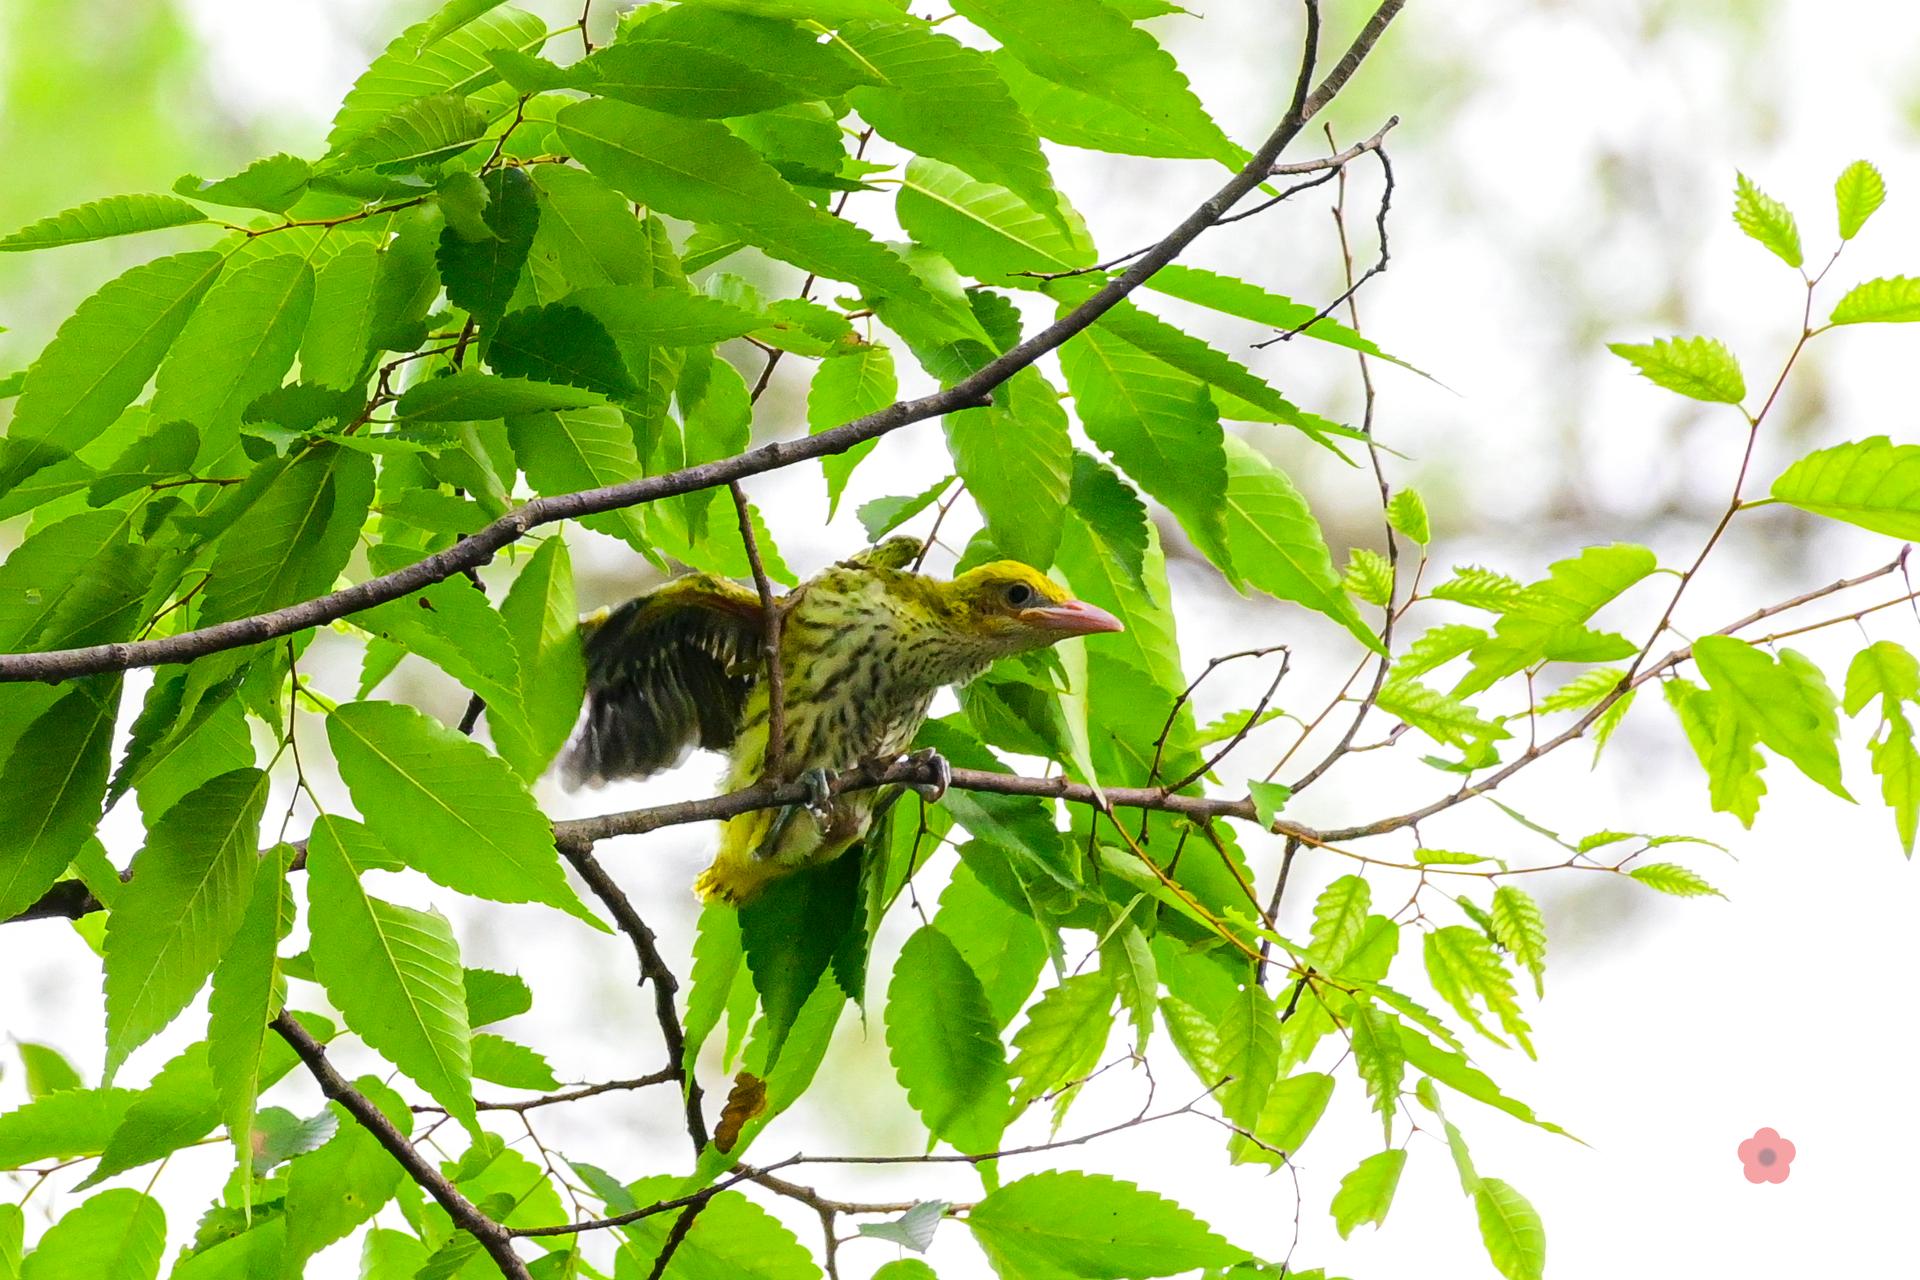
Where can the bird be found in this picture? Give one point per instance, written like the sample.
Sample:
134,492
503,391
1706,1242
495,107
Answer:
863,648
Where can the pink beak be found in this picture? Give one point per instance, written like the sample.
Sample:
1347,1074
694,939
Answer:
1074,618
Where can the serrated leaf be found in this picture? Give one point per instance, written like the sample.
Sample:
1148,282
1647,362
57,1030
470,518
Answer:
448,807
944,1045
560,344
847,386
648,157
1065,1032
1856,194
244,999
101,359
345,1182
393,972
1545,621
577,449
1464,968
102,219
1407,512
1369,576
116,1235
1511,1230
640,317
911,1230
335,350
1698,368
188,895
1082,1224
733,1237
1108,58
1882,670
542,621
413,66
1443,718
1889,300
1522,930
51,789
1451,1068
680,79
1366,1194
985,230
1725,745
1277,545
1016,459
422,132
60,1126
505,1062
1583,690
1249,301
47,1069
274,184
1872,483
1379,1059
1338,916
1785,700
941,99
1479,588
469,395
1766,220
1897,765
1436,647
1672,878
482,274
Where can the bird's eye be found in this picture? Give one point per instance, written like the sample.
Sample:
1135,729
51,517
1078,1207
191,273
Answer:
1019,595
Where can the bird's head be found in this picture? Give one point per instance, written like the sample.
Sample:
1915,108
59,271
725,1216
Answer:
1010,607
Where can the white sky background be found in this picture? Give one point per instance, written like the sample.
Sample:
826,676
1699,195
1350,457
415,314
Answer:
1565,176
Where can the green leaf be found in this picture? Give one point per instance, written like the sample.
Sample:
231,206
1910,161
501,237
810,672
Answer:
295,538
1443,718
1521,929
1785,700
451,625
944,1045
235,348
1889,300
60,1126
1515,1239
1451,1068
188,896
1005,948
1408,513
1083,1224
792,933
1108,58
1159,427
116,1235
1277,544
650,158
1017,461
681,79
1338,918
245,997
1882,670
1725,745
1379,1059
453,63
469,395
1897,765
495,997
984,229
1872,483
542,622
448,807
102,219
1436,647
1065,1032
1268,799
51,788
1583,690
1856,194
1369,576
941,99
1463,967
340,323
1293,1108
1479,588
848,386
640,317
577,449
732,1238
345,1182
273,184
1672,878
1546,620
420,133
481,274
101,359
47,1070
1766,220
392,971
1366,1194
1698,368
1248,1028
560,344
500,1060
1084,120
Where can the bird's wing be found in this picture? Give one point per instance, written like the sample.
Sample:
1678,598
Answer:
666,672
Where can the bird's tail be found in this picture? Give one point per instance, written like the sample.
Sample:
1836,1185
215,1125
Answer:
737,875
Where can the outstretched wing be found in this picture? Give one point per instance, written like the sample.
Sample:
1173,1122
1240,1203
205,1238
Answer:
666,672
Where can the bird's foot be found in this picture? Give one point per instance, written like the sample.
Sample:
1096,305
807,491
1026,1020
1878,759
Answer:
935,763
818,805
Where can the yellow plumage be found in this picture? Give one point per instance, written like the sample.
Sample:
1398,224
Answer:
864,646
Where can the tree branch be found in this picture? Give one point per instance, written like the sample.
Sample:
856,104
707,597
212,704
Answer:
972,391
493,1237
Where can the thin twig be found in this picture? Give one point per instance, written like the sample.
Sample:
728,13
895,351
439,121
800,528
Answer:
774,765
